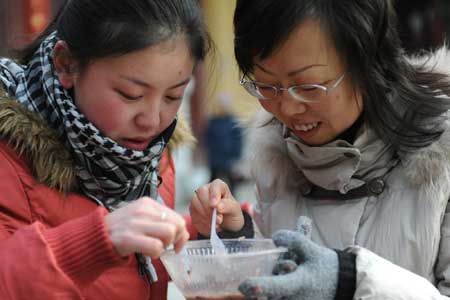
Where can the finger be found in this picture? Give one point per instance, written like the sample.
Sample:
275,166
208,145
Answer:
219,219
197,207
272,286
182,233
166,216
296,242
198,219
175,218
179,235
179,244
218,189
284,238
171,214
284,266
233,221
203,194
159,212
228,205
201,218
200,223
229,213
149,246
165,232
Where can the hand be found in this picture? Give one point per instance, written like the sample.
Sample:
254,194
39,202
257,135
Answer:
147,227
314,278
215,195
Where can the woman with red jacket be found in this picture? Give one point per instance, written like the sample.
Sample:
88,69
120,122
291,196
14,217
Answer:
86,180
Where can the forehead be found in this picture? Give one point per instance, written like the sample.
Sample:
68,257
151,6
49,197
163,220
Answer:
171,59
308,44
176,47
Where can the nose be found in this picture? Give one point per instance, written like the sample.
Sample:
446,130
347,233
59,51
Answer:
148,115
289,105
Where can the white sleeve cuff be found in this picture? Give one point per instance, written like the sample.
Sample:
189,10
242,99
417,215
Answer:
379,279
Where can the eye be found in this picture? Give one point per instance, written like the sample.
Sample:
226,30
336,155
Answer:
129,97
307,87
264,88
174,98
308,91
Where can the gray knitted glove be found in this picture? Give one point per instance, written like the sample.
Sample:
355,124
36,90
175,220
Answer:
315,278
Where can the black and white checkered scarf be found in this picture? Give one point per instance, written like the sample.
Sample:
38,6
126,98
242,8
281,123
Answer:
107,173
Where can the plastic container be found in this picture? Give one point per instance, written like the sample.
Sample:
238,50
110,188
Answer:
201,274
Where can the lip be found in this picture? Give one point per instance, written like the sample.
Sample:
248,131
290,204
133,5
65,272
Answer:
305,135
138,144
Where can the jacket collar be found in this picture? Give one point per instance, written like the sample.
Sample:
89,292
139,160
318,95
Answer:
49,161
339,165
270,159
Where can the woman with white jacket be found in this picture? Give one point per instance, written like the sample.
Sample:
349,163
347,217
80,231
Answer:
352,147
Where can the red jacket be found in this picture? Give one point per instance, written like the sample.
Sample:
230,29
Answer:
54,245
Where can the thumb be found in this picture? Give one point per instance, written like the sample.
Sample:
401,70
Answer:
228,206
231,215
271,286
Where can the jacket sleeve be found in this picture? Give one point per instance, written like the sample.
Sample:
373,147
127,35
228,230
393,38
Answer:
379,279
47,263
443,264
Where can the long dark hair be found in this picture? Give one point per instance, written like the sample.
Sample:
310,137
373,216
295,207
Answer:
100,28
402,101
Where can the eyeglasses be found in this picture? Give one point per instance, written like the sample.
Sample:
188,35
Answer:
306,93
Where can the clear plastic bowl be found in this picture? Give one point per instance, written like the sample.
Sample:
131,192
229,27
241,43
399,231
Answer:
201,274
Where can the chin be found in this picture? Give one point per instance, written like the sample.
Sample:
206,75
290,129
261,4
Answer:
316,141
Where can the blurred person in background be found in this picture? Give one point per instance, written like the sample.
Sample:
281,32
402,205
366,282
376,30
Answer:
223,143
86,117
350,153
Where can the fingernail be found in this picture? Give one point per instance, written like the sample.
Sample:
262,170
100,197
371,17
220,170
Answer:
220,207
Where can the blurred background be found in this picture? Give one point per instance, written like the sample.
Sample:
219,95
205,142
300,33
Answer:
214,101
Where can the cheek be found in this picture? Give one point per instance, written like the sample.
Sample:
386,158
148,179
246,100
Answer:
344,111
268,106
168,114
110,120
107,115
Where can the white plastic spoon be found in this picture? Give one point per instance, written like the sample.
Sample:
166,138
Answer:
216,242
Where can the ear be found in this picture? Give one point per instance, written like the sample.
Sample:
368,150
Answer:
64,64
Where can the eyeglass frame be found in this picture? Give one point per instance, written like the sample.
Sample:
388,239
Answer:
290,89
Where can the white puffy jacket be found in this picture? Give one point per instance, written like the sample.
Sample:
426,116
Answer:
399,228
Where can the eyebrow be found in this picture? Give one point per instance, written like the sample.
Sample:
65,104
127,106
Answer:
292,73
147,85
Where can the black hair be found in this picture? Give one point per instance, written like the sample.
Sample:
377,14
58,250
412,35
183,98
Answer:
403,102
96,29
